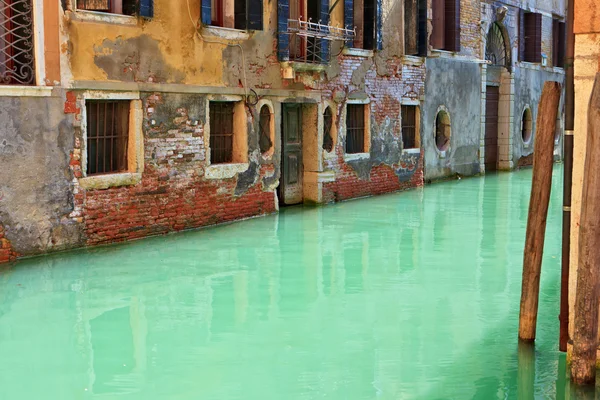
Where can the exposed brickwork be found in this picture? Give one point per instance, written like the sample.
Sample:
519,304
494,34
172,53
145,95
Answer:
470,31
7,252
526,161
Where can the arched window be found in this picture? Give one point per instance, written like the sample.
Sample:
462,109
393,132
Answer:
327,127
265,143
442,130
526,125
496,46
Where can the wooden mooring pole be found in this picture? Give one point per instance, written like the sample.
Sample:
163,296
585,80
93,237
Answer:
585,334
543,157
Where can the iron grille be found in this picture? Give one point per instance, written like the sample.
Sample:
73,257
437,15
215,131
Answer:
221,132
409,126
309,41
327,126
264,123
495,47
355,128
16,43
107,136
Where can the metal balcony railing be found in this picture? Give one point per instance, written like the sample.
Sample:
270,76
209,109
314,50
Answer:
309,41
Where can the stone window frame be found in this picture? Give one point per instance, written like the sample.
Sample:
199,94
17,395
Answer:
444,152
366,154
265,102
240,145
417,104
135,145
39,89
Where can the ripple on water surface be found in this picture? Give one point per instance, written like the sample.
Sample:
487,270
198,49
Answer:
411,295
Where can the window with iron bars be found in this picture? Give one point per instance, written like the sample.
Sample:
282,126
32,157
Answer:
17,64
143,8
409,126
221,132
107,136
355,128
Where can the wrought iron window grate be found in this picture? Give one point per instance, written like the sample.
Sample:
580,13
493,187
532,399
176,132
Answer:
16,43
221,132
409,126
107,136
355,128
309,40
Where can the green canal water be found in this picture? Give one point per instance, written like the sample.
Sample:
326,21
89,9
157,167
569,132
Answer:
406,296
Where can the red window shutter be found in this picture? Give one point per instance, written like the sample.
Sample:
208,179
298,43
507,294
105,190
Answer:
452,25
437,33
533,37
538,38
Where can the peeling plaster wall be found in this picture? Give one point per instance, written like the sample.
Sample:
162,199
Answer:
35,180
456,86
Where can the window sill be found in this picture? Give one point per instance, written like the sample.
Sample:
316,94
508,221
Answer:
95,16
540,67
436,53
319,177
417,61
357,156
25,91
220,32
358,52
224,171
110,180
301,66
412,151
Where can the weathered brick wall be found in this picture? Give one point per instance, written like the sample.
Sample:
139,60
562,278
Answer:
7,252
470,31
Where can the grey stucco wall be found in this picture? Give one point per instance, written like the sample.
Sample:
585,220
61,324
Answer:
36,194
529,84
457,86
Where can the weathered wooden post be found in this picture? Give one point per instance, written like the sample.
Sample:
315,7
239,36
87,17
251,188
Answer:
543,154
585,335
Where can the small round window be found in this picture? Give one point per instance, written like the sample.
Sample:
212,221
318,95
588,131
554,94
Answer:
327,127
265,143
526,125
442,130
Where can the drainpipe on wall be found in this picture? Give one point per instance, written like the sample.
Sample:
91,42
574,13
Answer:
567,182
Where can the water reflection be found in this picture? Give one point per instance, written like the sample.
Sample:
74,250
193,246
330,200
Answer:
403,296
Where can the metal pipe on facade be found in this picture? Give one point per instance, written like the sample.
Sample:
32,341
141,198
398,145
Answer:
567,180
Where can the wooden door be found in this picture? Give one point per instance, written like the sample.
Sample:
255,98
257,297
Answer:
290,187
491,128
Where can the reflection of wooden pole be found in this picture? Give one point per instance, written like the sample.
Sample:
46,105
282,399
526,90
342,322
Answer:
585,335
525,371
543,155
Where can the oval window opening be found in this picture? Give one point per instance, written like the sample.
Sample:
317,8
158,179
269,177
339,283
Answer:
442,131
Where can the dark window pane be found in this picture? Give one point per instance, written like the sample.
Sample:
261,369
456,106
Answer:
409,126
221,132
355,128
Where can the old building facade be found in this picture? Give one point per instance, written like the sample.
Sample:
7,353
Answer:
127,119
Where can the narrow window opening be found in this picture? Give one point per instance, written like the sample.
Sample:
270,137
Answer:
364,21
532,37
446,25
107,136
17,65
355,128
442,131
409,127
558,43
221,132
265,143
327,130
125,7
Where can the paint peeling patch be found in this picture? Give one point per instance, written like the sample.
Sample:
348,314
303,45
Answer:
136,59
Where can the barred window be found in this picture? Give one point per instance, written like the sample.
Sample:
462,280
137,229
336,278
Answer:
409,126
126,7
327,127
17,65
265,143
355,128
107,136
221,132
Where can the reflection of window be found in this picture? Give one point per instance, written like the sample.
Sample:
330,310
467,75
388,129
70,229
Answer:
264,140
355,128
327,127
107,136
446,25
526,125
16,43
126,7
409,126
112,345
442,131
